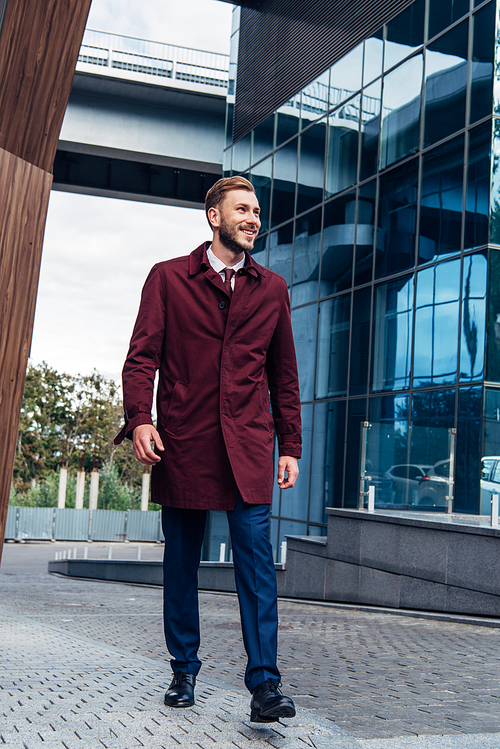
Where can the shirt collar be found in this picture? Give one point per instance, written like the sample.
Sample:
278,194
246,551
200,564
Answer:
218,265
199,257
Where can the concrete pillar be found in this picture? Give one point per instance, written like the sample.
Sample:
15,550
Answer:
94,489
146,478
80,488
63,480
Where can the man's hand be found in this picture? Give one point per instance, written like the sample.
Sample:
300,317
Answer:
143,436
287,465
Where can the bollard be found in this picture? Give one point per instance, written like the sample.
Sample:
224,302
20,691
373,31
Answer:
222,553
139,553
75,552
110,552
86,552
494,511
57,556
371,498
65,554
283,552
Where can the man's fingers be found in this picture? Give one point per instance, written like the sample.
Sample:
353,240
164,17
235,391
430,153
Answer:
289,466
143,436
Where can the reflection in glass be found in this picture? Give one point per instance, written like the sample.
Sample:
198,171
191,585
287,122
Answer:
338,241
491,421
227,161
370,126
315,99
483,55
263,139
294,503
311,166
306,254
374,48
285,175
287,120
387,453
401,111
260,251
260,177
360,346
468,462
495,185
304,320
363,268
289,528
443,13
441,201
436,325
241,155
280,251
345,76
333,346
405,34
356,414
473,318
397,212
445,84
327,466
392,329
342,147
477,200
493,338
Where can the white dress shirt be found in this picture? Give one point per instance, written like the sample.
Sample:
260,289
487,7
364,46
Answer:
219,266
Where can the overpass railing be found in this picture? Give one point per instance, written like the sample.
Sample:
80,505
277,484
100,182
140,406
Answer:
154,62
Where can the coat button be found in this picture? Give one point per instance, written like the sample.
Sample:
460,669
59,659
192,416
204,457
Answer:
222,305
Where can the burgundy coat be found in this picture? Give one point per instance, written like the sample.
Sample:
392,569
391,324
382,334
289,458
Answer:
218,361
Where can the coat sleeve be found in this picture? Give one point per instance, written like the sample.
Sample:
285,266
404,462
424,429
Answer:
283,380
144,356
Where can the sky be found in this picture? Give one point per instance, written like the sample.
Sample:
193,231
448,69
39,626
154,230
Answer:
98,251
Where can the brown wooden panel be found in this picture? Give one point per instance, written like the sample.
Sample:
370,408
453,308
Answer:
39,44
24,198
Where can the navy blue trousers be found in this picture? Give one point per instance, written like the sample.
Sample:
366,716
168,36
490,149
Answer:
255,583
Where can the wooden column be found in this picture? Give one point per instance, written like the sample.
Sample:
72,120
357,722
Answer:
39,44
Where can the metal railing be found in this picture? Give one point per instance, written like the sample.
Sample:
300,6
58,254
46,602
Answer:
163,64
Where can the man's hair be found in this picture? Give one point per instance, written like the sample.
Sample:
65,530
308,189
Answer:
217,192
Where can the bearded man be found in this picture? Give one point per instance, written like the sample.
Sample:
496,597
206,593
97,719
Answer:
217,327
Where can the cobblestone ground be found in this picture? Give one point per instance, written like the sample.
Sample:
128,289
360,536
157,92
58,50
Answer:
362,675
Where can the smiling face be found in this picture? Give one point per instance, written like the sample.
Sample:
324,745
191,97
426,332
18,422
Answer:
236,220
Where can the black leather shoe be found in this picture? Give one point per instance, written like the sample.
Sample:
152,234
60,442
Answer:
181,691
269,705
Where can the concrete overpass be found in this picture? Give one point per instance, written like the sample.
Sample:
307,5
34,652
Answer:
145,121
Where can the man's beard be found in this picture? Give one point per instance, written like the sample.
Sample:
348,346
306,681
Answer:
229,237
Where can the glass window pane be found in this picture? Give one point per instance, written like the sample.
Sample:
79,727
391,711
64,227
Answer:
397,212
441,201
491,422
333,346
360,346
473,318
289,528
370,126
263,139
468,456
260,177
280,251
304,321
392,329
493,355
363,268
405,33
436,325
314,102
401,111
311,166
387,453
260,250
327,467
287,120
445,84
306,255
374,48
285,175
342,147
483,55
294,501
345,76
241,155
477,200
356,414
227,162
338,242
443,13
495,185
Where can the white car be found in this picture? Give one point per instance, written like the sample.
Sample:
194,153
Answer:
405,479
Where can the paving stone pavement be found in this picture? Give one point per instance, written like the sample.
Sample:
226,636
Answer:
84,664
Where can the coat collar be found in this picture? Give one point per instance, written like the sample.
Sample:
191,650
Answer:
198,260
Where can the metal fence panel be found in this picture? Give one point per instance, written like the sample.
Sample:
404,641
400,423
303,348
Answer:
36,523
143,525
107,525
71,525
10,528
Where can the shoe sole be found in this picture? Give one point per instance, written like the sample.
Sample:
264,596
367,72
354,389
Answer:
272,715
185,704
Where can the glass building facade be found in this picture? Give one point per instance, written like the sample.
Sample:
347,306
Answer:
379,185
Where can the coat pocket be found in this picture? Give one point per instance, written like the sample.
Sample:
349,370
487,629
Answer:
175,419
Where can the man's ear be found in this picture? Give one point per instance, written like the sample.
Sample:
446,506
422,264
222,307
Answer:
214,217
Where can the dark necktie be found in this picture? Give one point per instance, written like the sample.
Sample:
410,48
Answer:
228,274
